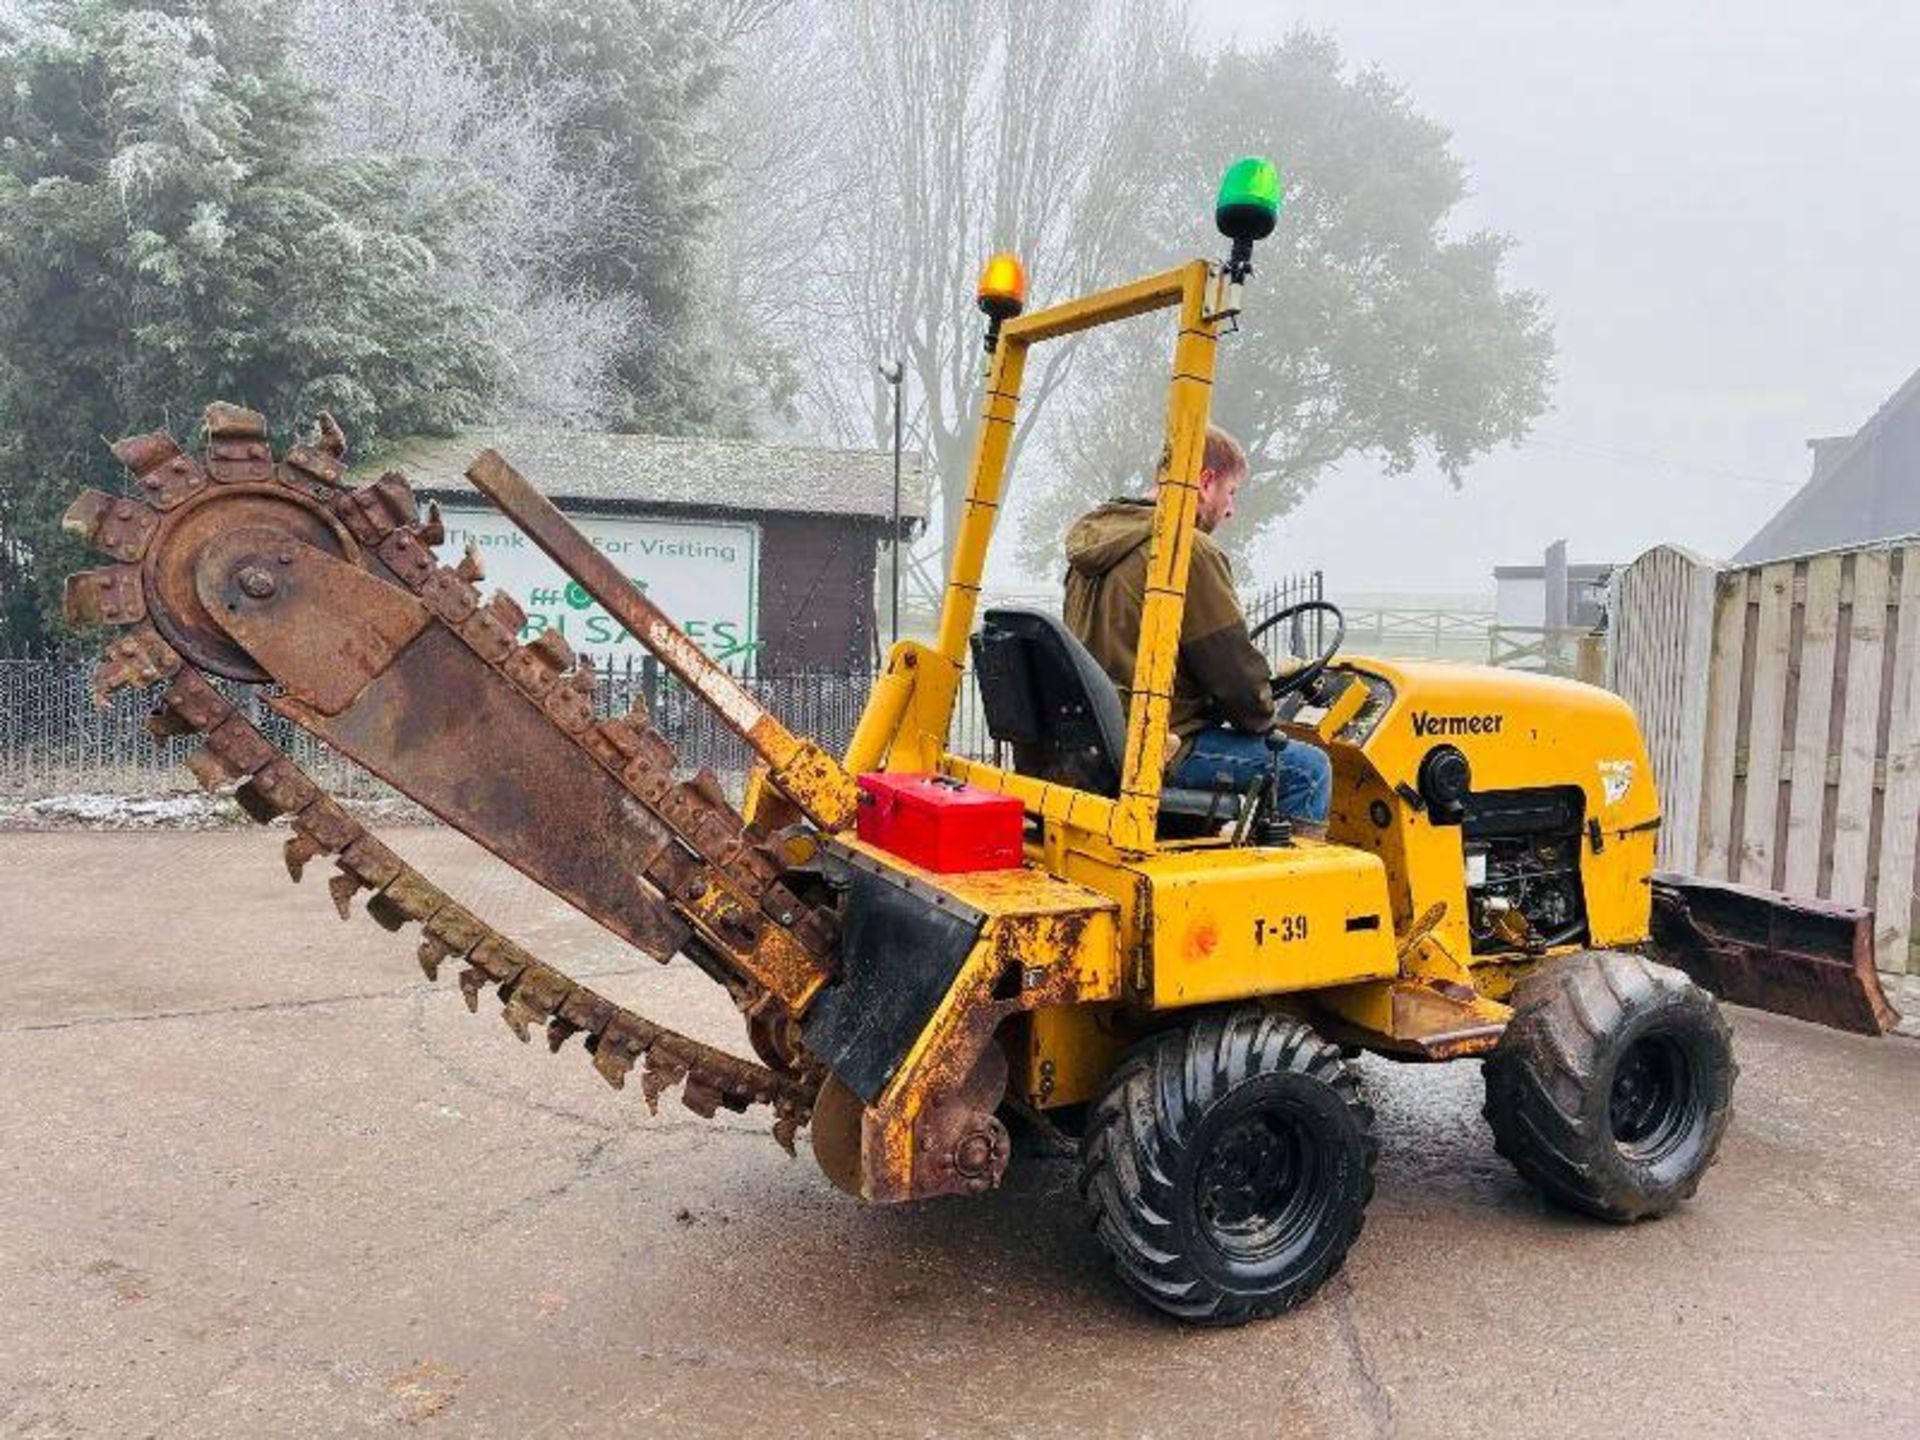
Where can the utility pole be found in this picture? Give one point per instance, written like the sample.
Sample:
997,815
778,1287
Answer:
894,373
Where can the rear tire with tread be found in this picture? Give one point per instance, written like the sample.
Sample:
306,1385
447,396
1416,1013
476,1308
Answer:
1228,1165
1613,1084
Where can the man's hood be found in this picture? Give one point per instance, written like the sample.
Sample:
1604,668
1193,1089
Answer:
1101,540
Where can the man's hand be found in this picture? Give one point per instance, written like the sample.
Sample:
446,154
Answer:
1289,665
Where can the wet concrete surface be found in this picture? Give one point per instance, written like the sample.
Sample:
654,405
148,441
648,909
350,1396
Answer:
262,1179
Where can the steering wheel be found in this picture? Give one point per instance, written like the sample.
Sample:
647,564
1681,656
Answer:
1307,674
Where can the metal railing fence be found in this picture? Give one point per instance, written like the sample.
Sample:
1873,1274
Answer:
55,741
1306,633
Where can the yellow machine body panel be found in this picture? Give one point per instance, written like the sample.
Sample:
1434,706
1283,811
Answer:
1079,963
1520,735
1225,923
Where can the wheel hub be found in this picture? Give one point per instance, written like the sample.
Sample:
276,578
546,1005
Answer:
1652,1097
1255,1186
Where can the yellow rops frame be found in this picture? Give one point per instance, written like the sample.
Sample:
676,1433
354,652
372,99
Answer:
906,723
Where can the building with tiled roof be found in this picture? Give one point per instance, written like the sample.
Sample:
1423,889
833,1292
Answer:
767,553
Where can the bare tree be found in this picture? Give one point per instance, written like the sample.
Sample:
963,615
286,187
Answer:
761,302
922,135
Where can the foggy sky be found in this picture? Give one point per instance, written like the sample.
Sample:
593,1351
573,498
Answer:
1719,203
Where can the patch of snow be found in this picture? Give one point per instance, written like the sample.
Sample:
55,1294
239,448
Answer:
127,812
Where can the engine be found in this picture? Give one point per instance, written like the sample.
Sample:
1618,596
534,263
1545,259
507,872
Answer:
1523,869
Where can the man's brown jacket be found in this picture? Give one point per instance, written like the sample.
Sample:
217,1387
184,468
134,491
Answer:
1221,676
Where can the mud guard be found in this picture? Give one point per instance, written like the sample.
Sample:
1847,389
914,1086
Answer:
1810,959
899,955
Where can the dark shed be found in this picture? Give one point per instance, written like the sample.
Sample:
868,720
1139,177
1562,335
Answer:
823,516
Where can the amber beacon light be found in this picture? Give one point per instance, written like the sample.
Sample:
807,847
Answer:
1002,293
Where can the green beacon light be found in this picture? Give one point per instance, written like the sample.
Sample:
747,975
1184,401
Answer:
1247,209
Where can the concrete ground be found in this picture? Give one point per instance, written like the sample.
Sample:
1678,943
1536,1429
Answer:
261,1179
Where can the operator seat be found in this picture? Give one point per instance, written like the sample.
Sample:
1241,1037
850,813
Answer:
1047,698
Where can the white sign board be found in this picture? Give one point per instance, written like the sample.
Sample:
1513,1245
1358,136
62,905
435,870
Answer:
703,573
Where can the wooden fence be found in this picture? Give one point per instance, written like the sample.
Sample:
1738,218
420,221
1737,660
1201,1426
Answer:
1418,632
1566,650
1781,705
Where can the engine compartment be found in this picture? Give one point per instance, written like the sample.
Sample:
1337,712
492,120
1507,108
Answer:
1522,851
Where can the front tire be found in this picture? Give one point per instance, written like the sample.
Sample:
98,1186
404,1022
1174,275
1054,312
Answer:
1613,1084
1228,1165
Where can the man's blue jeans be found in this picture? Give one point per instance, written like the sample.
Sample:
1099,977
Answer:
1232,759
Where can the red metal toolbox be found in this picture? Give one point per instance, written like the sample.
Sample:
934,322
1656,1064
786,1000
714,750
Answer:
939,823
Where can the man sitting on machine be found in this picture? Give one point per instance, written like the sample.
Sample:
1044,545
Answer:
1223,707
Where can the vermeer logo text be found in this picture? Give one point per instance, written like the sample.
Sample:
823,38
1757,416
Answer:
1426,723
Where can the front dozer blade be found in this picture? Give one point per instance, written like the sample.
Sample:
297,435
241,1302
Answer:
1811,959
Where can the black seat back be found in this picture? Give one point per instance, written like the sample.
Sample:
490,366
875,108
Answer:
1047,698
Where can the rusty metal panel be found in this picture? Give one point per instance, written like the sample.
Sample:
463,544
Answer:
321,626
1811,959
528,793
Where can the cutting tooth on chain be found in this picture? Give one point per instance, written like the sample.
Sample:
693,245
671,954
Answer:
168,476
329,437
237,452
118,528
432,530
321,471
536,667
570,703
658,1075
407,898
321,459
139,657
298,850
432,953
536,993
343,887
519,1016
701,1096
471,568
211,769
328,826
225,421
277,788
612,1061
373,512
456,929
559,1031
143,454
111,595
784,1131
